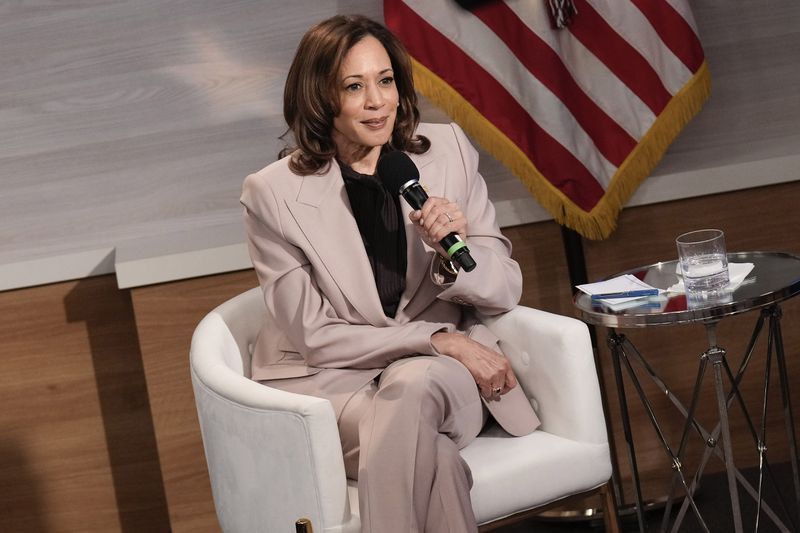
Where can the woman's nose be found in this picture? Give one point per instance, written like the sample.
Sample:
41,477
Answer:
375,98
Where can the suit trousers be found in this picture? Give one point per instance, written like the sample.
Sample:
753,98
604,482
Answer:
400,438
401,435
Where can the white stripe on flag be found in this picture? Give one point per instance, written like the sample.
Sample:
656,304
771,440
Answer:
633,26
479,42
597,81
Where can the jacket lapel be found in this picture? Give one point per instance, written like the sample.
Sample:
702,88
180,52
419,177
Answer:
323,213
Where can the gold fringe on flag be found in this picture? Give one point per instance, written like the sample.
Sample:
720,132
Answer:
601,221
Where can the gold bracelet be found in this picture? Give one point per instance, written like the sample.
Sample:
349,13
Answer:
448,266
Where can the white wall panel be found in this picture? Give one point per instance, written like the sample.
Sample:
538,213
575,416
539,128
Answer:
128,121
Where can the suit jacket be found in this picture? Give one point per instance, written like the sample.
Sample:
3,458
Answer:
325,319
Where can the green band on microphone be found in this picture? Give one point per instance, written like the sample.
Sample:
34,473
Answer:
453,249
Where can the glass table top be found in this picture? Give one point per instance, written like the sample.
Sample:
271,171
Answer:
775,277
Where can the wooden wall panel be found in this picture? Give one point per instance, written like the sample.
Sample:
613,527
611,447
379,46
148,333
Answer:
98,430
757,219
77,448
166,316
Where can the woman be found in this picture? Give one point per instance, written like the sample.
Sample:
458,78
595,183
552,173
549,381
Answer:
363,308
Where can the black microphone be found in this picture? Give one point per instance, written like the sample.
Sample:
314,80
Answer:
399,174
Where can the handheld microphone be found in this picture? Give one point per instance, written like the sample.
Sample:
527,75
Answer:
399,174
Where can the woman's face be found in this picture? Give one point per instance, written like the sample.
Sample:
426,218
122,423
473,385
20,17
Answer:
368,98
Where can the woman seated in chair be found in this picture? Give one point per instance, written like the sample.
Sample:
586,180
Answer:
364,307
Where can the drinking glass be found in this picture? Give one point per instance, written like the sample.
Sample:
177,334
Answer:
703,260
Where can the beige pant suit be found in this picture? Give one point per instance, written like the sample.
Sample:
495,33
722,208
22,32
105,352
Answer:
403,410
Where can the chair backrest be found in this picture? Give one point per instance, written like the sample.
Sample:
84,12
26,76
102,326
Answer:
243,316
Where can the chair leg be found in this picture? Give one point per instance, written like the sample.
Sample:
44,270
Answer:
303,525
610,514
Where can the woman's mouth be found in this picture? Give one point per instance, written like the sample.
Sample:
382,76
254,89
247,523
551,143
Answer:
375,123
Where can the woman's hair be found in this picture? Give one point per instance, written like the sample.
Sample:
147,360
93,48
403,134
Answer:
311,94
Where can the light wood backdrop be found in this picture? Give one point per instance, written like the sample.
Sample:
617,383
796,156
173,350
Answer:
123,120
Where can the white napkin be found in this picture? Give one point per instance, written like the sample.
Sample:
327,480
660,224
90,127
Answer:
623,283
737,272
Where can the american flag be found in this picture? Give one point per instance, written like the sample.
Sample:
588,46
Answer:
581,114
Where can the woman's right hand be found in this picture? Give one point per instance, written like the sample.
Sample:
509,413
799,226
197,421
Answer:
438,218
490,369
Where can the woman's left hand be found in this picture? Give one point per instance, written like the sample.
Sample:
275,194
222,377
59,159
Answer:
437,218
490,369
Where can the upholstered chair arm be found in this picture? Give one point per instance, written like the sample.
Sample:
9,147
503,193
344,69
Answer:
253,433
553,360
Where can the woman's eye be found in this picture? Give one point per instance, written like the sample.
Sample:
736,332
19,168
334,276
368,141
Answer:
388,80
353,87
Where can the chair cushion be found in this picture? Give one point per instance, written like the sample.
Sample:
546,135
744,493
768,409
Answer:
513,474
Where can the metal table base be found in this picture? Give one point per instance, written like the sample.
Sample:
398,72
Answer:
624,354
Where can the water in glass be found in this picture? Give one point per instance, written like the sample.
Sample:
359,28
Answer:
707,272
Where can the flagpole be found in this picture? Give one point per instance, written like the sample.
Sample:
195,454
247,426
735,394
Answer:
576,265
576,262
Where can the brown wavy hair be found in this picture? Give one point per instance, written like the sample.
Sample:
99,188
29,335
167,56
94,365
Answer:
311,95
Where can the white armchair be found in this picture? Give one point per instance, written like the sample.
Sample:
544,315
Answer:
274,456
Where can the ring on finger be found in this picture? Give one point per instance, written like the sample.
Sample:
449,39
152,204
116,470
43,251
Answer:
448,217
496,390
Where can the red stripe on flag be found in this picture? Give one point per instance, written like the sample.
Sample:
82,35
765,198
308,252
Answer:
619,56
491,99
544,63
673,29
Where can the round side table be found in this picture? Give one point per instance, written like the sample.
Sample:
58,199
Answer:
774,278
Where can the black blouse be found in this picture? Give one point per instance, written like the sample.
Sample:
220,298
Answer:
380,222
